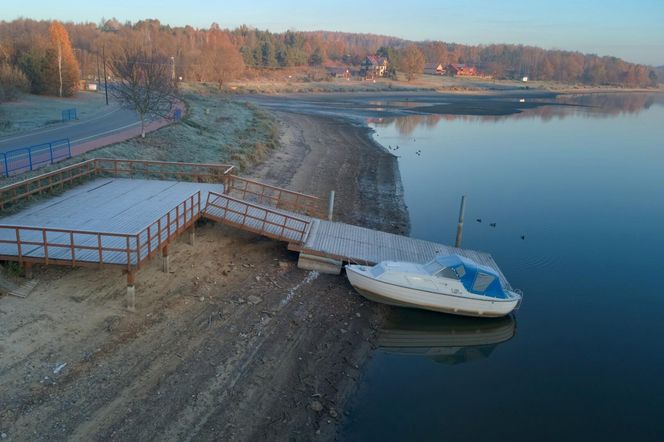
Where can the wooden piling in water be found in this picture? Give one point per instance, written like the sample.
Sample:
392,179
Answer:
462,211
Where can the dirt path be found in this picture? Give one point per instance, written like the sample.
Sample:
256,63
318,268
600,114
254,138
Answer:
235,343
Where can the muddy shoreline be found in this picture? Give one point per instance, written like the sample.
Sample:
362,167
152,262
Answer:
234,343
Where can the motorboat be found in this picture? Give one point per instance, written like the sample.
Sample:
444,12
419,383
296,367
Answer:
449,284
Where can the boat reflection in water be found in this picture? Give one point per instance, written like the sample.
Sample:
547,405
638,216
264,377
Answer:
446,339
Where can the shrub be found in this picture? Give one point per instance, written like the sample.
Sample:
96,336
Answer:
12,82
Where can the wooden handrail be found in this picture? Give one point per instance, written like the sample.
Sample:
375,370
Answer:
212,201
301,202
92,241
58,178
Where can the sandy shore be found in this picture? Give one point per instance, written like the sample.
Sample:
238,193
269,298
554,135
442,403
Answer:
235,343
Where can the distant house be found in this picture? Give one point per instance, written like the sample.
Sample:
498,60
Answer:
460,70
434,69
373,66
339,72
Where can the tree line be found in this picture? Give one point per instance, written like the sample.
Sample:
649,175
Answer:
48,57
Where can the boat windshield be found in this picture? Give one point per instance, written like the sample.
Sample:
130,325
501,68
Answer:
447,272
432,267
376,271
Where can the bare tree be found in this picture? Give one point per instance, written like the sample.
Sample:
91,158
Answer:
143,83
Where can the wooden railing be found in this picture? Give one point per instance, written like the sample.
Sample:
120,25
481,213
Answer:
152,239
57,179
46,182
83,247
258,219
61,246
199,172
277,197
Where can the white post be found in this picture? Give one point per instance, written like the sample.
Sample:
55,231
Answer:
330,205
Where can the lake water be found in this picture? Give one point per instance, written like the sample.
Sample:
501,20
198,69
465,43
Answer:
584,356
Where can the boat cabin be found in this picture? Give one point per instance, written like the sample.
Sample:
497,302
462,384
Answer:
476,278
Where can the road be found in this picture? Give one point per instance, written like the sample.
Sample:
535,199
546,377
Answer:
115,120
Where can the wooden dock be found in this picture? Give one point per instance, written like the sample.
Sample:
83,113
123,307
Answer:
112,212
329,239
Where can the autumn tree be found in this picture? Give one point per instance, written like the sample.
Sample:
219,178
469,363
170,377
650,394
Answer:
411,61
143,84
224,63
63,57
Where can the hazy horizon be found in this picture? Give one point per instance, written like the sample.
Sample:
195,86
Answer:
632,31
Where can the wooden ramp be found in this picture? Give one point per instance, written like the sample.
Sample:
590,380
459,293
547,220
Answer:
328,239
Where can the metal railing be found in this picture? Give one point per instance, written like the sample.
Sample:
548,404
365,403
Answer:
45,245
277,197
30,158
255,218
69,114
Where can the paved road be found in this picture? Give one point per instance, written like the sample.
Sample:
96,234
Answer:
104,123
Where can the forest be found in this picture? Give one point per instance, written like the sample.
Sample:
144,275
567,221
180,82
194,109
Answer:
46,57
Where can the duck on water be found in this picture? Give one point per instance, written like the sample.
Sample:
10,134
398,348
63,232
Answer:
449,284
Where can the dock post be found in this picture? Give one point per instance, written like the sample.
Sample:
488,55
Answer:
28,269
165,259
131,290
462,210
330,205
192,235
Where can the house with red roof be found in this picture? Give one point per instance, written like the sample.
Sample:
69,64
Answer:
461,70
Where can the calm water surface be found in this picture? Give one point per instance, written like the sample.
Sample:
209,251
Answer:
583,359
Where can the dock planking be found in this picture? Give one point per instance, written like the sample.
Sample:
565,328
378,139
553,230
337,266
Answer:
117,207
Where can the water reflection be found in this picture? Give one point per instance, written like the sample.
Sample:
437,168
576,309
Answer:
589,106
442,338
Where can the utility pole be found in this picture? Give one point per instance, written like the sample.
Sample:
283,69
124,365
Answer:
98,75
103,55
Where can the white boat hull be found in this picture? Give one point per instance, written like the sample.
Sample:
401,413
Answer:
402,296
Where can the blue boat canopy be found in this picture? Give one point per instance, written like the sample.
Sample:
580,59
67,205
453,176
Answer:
476,278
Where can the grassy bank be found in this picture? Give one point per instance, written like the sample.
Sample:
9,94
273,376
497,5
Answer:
31,112
214,130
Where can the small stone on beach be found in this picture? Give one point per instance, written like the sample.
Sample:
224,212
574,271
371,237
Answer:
316,406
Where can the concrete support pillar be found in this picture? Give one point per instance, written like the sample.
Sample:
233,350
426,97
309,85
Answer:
27,268
165,260
191,238
131,291
319,264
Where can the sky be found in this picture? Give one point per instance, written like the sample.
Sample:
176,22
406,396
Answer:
629,29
